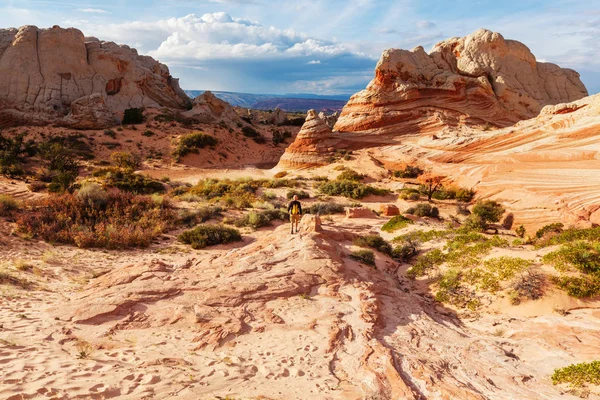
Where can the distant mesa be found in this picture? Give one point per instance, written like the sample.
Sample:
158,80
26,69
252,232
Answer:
59,76
290,103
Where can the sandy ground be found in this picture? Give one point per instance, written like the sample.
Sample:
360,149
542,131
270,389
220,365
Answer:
274,317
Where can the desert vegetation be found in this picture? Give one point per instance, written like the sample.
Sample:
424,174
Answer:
209,235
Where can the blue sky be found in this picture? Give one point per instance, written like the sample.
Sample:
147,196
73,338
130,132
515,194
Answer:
317,46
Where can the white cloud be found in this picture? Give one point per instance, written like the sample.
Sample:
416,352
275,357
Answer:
93,10
313,62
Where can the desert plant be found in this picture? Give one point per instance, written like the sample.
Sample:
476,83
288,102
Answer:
350,189
300,193
426,263
374,241
127,180
125,160
124,220
550,228
8,205
407,250
364,257
408,172
395,223
92,193
520,231
148,133
209,235
530,285
133,116
430,184
424,210
578,375
191,142
350,175
325,208
488,211
257,220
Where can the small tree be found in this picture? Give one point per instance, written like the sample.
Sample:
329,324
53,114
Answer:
488,211
431,183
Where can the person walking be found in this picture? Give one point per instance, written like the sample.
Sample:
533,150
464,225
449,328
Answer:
295,211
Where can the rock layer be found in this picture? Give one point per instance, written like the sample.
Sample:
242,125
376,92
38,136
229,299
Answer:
313,144
481,78
44,71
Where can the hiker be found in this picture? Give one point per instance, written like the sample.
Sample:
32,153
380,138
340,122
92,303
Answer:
295,210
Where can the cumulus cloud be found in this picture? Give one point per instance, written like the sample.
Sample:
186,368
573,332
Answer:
239,48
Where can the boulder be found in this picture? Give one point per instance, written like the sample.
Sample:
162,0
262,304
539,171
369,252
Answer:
90,112
209,109
44,71
279,117
360,212
389,210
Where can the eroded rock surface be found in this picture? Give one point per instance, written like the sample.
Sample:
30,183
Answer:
313,144
478,79
44,71
295,317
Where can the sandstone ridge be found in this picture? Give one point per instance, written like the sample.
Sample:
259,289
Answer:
59,76
478,79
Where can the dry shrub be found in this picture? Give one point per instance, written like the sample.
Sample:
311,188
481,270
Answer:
120,220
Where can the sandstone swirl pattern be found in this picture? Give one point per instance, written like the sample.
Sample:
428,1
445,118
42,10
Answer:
481,78
47,74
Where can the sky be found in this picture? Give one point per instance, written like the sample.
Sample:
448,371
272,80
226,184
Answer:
317,46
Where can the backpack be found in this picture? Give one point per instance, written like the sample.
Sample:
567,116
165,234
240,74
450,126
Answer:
295,210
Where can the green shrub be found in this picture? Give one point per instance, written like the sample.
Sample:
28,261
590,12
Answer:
407,250
8,205
124,220
488,211
62,166
12,154
578,375
364,256
110,133
257,220
192,217
551,228
191,142
374,241
465,195
583,256
410,194
93,194
426,263
581,287
127,180
300,193
209,235
409,172
125,160
474,223
350,175
324,209
395,223
520,231
133,116
424,210
350,189
571,235
529,285
422,236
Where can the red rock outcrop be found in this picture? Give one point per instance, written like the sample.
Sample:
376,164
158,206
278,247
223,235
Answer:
313,145
479,79
44,71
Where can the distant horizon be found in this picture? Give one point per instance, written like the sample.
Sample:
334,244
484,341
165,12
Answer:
322,47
